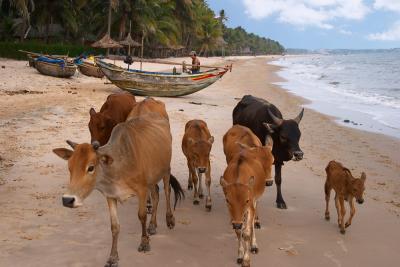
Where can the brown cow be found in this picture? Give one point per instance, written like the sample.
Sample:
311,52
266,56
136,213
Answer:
148,105
135,159
196,145
346,188
114,110
243,184
239,135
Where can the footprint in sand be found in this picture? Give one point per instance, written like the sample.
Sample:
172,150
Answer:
342,245
330,256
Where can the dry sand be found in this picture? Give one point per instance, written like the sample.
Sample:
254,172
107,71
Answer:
35,230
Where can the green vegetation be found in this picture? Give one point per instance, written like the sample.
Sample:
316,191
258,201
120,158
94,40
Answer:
166,27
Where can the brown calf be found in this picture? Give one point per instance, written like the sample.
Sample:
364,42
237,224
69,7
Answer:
239,135
346,188
148,105
135,159
114,110
196,145
243,184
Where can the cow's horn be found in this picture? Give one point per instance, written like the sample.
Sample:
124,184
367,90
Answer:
72,144
299,117
276,120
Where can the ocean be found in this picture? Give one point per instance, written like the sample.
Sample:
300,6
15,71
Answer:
360,88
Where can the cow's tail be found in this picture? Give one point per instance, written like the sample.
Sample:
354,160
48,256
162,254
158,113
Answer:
178,191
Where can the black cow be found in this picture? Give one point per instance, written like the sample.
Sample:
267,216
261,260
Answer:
264,119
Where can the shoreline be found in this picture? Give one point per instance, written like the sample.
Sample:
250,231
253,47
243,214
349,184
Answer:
32,180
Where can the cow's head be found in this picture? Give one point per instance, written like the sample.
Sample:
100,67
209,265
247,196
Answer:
238,200
82,165
100,127
358,188
200,151
287,134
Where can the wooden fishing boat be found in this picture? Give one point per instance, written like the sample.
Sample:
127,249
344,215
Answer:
32,56
146,83
64,70
90,69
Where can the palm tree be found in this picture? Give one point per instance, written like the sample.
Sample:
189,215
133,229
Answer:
24,8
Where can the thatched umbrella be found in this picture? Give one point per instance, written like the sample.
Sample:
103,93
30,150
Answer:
129,41
106,42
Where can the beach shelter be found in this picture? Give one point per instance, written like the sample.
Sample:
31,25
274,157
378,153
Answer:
106,42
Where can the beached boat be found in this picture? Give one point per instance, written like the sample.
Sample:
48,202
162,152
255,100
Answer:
55,67
148,83
90,69
32,56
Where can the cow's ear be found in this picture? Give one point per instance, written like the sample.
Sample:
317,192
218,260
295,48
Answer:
363,177
222,182
269,127
251,181
92,112
106,159
211,140
63,153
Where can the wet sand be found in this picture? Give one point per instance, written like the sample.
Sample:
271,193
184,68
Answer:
35,230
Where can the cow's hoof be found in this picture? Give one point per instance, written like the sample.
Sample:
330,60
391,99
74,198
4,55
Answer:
347,224
196,202
112,262
201,196
245,264
269,183
170,221
152,229
190,187
257,225
208,207
342,231
144,245
254,250
239,260
281,205
327,217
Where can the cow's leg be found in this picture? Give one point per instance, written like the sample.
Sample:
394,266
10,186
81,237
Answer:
196,192
342,213
239,259
201,195
152,229
190,179
280,203
337,205
257,223
142,214
167,188
254,247
328,190
149,206
352,212
246,233
113,259
208,184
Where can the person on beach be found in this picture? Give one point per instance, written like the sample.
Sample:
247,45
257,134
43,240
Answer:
195,62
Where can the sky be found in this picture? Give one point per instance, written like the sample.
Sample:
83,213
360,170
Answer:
318,24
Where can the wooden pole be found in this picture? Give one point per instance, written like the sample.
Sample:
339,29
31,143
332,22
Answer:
141,53
109,26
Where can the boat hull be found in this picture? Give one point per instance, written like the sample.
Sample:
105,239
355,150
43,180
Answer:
91,70
55,70
156,84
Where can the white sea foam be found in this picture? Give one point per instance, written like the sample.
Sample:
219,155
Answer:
362,88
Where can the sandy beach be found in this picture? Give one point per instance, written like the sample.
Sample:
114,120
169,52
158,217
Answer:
38,113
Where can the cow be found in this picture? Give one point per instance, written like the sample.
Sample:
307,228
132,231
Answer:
346,188
113,111
239,135
136,157
148,105
243,184
196,146
263,118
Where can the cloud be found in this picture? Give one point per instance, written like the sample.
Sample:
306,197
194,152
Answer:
392,34
345,32
306,13
390,5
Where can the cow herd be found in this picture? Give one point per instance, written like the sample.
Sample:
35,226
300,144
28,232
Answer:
131,150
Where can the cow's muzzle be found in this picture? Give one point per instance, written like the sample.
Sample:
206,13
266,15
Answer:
360,201
71,201
202,170
237,226
298,155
